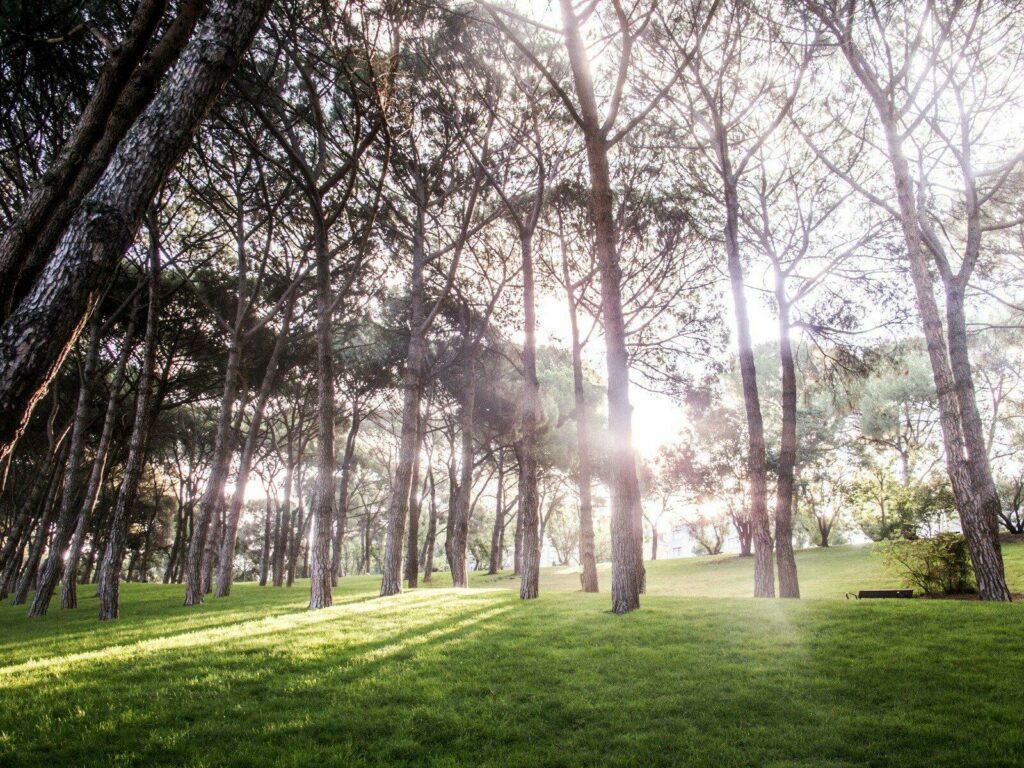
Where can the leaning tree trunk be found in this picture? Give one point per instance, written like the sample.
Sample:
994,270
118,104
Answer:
789,585
764,576
67,517
458,520
35,552
588,559
110,569
126,85
627,540
980,534
38,334
69,585
227,550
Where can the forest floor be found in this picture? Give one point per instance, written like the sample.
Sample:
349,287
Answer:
701,676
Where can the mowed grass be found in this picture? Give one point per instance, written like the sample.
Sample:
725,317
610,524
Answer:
702,675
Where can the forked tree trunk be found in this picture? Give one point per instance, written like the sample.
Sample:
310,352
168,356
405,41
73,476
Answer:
38,334
628,575
969,474
110,568
225,564
789,585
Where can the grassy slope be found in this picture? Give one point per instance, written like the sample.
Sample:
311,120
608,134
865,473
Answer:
438,678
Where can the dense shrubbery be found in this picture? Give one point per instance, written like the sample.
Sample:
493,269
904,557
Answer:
936,566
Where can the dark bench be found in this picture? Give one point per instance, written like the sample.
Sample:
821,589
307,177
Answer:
866,594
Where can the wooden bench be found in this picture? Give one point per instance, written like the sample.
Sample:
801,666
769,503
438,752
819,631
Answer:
869,594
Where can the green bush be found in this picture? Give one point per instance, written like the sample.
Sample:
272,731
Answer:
936,566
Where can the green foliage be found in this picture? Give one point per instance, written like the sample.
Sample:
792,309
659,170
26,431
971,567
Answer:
937,566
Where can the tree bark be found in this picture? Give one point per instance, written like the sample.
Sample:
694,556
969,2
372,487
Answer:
225,565
37,336
584,470
415,507
337,563
429,540
67,518
627,540
110,568
69,590
458,520
789,585
498,532
35,552
322,506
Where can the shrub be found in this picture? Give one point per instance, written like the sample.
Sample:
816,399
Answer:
936,566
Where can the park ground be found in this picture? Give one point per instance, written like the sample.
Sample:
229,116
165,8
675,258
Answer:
702,675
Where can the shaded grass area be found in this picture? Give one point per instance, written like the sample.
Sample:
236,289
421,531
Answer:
444,678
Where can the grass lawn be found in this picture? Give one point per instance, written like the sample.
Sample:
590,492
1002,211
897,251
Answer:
701,675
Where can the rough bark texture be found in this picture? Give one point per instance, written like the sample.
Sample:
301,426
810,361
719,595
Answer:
969,474
110,568
529,583
322,506
37,336
789,585
627,540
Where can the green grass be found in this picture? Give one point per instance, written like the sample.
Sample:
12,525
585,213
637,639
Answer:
701,676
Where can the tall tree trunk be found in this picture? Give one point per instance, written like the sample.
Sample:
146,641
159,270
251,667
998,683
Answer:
35,552
322,505
498,532
285,525
789,584
979,531
654,542
627,540
69,591
584,471
227,550
110,577
415,506
38,334
67,518
398,506
764,571
268,517
458,520
430,539
337,562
